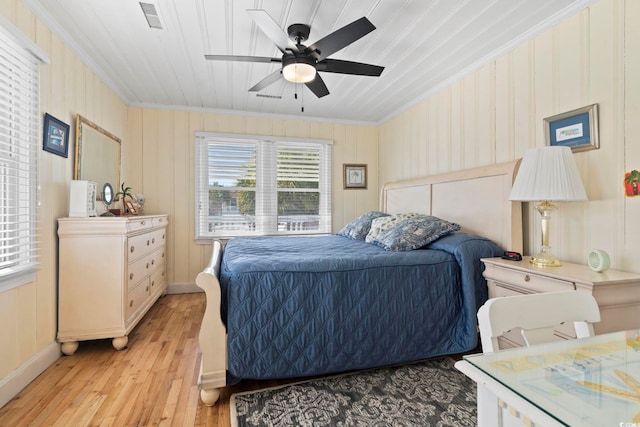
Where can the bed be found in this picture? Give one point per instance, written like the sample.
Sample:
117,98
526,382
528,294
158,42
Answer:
362,306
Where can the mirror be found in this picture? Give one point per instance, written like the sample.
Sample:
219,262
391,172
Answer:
107,194
107,198
97,154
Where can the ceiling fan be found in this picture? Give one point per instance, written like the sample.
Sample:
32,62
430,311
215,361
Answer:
300,64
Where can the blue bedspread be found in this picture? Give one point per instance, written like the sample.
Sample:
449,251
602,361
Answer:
303,306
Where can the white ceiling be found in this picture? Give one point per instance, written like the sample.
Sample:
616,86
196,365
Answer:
423,45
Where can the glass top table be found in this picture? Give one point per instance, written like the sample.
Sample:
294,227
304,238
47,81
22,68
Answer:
586,382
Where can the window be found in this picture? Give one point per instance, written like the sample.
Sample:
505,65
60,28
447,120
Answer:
19,110
250,186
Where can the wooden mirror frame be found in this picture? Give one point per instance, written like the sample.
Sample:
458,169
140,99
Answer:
94,146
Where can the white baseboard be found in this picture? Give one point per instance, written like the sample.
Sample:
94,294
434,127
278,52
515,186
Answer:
183,288
11,385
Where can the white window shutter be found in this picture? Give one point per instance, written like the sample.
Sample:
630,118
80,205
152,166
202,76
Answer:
19,124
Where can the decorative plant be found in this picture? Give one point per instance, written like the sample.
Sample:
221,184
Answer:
125,192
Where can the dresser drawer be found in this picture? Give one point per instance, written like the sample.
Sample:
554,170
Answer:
144,266
158,280
136,297
527,281
143,244
138,246
157,239
139,224
159,222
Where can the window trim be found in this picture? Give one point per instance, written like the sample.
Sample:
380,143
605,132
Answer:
199,160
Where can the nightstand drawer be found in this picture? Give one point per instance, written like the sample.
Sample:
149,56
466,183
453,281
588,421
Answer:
529,282
497,289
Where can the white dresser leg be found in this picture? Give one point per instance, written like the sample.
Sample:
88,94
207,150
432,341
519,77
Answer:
120,343
69,347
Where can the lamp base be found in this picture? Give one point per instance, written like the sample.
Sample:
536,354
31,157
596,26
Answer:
545,258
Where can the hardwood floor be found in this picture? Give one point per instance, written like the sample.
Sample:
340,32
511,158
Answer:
151,383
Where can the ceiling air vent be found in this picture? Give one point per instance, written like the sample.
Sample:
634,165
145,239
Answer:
262,95
151,13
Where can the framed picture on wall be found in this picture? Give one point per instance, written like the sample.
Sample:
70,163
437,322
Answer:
577,129
55,136
355,176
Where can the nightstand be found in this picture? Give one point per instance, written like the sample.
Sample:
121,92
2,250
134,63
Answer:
617,292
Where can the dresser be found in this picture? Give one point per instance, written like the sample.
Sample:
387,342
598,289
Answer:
110,272
617,292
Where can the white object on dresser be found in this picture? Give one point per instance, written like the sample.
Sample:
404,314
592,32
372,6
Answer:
617,292
111,270
598,260
82,198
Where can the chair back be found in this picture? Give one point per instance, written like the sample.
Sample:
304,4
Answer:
538,315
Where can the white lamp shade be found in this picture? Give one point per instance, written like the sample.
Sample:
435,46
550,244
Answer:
548,174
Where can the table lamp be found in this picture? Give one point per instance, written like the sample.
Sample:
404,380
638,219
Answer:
547,174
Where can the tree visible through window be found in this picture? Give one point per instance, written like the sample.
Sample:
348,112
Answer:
255,186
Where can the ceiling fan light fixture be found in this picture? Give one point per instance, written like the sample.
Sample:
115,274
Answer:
299,69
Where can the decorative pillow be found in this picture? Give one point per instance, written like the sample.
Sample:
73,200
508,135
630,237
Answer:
414,233
359,227
381,224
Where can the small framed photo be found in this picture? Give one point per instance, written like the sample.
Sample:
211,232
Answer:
130,208
577,129
355,176
55,136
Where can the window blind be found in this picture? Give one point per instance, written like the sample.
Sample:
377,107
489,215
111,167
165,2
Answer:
258,186
19,110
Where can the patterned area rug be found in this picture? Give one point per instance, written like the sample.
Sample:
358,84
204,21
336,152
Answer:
429,393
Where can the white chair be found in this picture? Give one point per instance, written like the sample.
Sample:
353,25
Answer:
538,315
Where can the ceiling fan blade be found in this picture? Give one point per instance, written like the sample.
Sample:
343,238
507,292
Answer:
340,38
242,58
318,87
272,30
349,67
267,81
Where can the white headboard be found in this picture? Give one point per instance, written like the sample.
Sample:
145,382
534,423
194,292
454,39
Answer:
477,199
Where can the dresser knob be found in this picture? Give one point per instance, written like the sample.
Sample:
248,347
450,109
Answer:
147,243
527,278
130,276
143,223
147,265
147,288
153,262
153,240
133,248
153,283
131,303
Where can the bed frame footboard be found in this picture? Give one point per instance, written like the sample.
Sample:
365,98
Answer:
213,335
